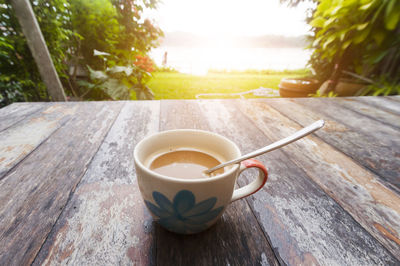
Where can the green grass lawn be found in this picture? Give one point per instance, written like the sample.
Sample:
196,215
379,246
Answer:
169,85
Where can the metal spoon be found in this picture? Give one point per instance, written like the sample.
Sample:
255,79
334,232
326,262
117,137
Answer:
280,143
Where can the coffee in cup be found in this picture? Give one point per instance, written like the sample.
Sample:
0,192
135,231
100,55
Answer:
190,203
184,163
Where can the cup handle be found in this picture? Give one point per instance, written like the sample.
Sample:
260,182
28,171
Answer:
254,186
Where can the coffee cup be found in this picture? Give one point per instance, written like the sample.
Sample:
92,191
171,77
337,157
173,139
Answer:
191,205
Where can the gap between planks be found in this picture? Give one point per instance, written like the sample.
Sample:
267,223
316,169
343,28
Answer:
72,191
23,116
275,251
367,150
388,104
188,114
107,181
50,118
227,121
375,227
22,232
362,108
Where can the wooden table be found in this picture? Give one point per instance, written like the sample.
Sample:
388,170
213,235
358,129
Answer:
68,191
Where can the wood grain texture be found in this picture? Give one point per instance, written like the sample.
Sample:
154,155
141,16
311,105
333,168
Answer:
386,135
383,103
34,193
304,225
376,113
16,112
356,189
106,222
236,239
386,138
19,140
74,199
366,149
393,97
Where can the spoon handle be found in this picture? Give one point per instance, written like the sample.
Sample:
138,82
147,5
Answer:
280,143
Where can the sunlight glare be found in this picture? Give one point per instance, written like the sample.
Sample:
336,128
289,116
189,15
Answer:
231,17
223,24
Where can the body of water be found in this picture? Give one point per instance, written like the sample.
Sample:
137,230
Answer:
198,60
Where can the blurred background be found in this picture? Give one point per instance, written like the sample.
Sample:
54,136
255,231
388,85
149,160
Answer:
124,49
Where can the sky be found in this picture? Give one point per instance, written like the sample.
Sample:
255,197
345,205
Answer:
230,17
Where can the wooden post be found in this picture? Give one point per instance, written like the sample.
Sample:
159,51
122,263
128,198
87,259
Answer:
37,45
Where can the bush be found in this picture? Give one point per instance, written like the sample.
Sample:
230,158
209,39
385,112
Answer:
73,30
19,76
362,37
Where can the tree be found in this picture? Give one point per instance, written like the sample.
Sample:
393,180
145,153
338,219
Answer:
361,36
126,67
97,25
19,76
114,55
73,31
37,45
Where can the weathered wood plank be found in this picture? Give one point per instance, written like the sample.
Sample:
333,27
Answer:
365,149
229,242
393,97
384,134
15,107
105,222
374,113
14,113
33,194
356,189
305,225
18,141
235,240
383,103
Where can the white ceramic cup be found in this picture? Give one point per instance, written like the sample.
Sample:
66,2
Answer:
190,206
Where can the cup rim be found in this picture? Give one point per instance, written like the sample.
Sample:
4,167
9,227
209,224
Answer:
181,180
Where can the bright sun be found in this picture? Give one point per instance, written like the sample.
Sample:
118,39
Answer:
231,17
223,23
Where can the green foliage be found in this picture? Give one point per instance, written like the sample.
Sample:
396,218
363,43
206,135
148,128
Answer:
120,82
166,69
96,22
115,41
319,94
362,36
73,31
184,86
19,77
383,88
137,33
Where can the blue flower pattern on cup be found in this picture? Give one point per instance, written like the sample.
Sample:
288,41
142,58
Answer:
183,215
